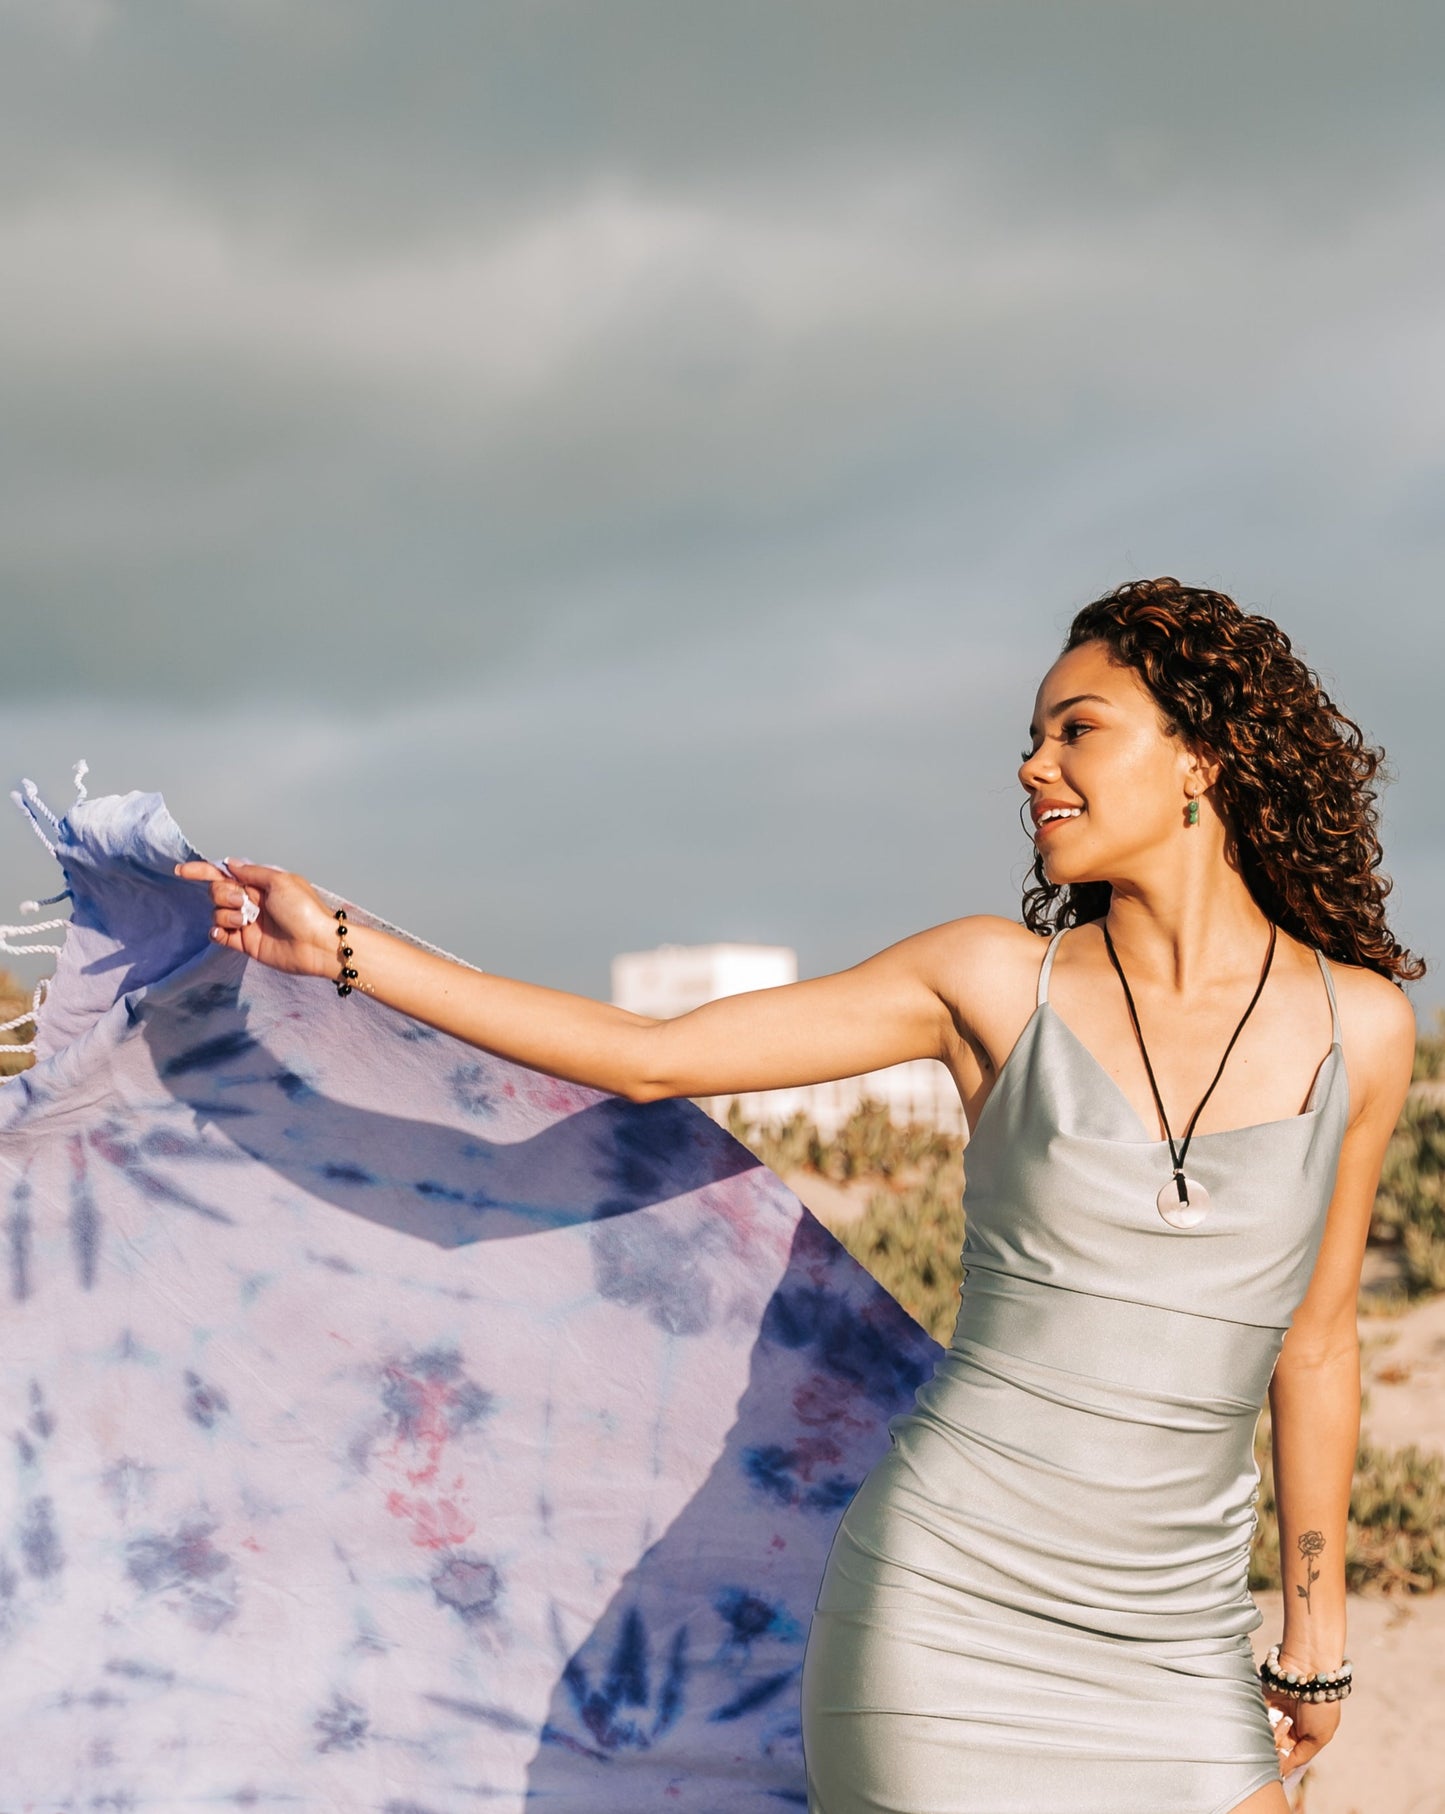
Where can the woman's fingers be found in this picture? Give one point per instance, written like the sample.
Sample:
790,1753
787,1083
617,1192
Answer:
256,874
225,893
1301,1735
1311,1740
234,906
233,873
228,892
266,913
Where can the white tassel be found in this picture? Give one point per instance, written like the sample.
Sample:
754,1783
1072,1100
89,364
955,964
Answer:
82,769
7,932
33,794
31,820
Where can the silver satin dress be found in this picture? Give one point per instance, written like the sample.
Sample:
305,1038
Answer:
1037,1602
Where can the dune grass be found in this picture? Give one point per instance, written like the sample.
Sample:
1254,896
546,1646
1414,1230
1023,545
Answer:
1409,1214
14,1000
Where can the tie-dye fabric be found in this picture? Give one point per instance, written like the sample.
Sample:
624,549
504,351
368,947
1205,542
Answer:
391,1427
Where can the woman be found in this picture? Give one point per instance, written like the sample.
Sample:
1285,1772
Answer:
1037,1600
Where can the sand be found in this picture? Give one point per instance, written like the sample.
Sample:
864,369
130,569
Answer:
1383,1759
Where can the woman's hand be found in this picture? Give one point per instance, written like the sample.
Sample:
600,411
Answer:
1307,1727
296,931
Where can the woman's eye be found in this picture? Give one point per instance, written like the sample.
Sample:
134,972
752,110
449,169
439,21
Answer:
1067,734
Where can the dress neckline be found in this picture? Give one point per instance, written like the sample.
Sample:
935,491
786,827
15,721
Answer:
1307,1113
1332,1060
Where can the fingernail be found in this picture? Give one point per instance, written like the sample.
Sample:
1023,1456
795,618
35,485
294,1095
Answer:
216,932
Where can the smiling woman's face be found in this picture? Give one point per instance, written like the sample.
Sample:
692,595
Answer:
1098,745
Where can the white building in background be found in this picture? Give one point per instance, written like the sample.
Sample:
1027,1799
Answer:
672,979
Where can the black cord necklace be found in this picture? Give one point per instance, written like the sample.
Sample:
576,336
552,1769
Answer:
1182,1202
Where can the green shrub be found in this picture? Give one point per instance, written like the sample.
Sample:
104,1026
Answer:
1409,1212
1430,1052
14,1000
867,1145
911,1242
784,1146
910,1236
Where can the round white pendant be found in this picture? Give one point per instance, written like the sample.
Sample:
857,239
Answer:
1183,1215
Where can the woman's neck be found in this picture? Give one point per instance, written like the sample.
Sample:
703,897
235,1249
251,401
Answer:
1182,939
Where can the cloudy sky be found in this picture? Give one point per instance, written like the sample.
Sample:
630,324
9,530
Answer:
579,476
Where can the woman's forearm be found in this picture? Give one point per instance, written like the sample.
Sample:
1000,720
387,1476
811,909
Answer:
875,1014
1315,1411
549,1030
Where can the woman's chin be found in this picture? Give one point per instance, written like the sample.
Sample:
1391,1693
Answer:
1063,874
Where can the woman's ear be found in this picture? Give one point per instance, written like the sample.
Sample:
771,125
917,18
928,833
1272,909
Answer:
1204,769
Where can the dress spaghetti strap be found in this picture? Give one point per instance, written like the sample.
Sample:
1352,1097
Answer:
1048,965
1334,1005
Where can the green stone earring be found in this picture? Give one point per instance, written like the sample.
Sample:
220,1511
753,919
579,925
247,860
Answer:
1192,817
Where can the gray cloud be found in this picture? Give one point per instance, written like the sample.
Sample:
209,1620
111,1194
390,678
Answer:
553,418
351,116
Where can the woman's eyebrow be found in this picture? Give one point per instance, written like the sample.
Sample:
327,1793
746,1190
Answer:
1064,704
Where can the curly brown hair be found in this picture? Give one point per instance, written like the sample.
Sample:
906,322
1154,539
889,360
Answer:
1298,781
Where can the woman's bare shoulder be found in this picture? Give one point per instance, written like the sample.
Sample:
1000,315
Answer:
986,968
1370,1003
1378,1030
981,940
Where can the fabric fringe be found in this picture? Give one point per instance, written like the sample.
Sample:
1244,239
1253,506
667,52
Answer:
34,809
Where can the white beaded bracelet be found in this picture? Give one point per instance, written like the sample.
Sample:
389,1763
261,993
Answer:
1326,1685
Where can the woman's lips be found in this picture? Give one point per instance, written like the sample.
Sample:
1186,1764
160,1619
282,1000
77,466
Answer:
1054,824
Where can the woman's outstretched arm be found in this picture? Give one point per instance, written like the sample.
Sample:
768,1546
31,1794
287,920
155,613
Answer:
887,1009
1315,1393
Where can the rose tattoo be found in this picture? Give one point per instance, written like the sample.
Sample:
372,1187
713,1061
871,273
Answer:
1310,1545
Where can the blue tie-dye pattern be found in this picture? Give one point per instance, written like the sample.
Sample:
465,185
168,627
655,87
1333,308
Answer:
18,1228
756,1694
606,1708
394,1429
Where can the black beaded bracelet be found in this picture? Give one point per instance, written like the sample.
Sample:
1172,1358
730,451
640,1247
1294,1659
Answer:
1330,1685
343,933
